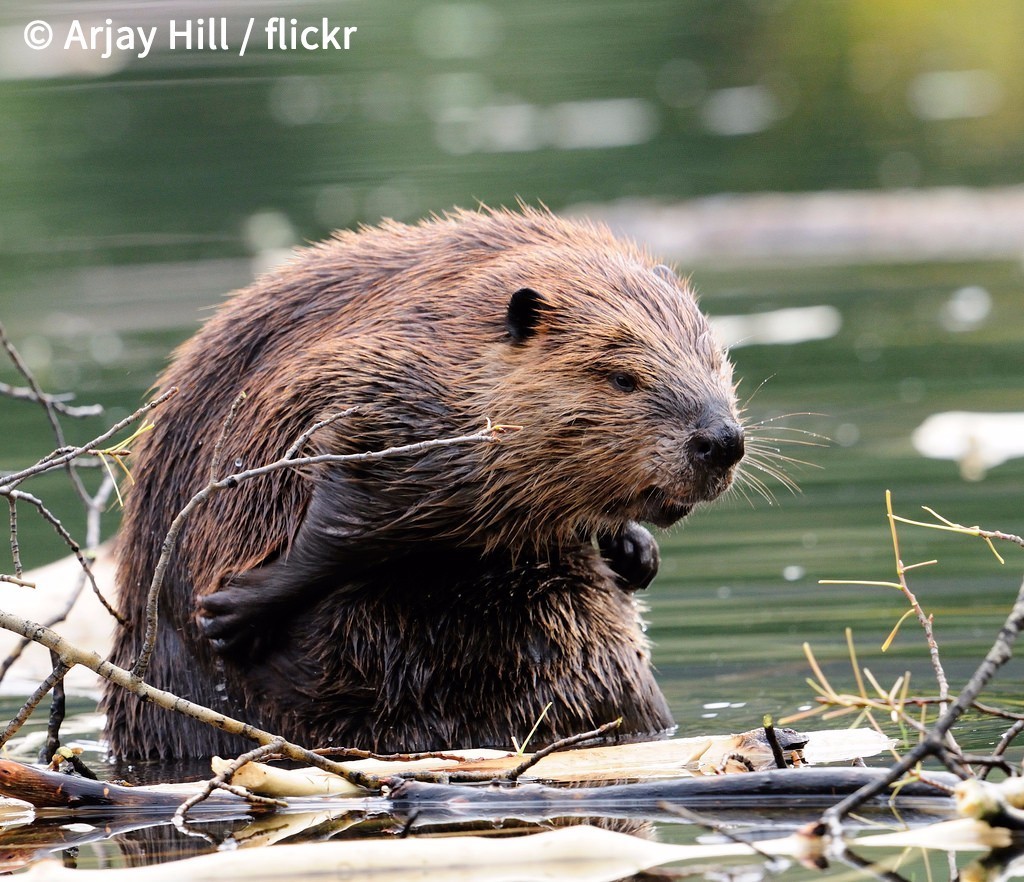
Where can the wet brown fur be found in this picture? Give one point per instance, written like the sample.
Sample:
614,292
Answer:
458,589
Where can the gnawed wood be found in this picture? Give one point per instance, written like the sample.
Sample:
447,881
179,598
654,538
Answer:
640,761
582,853
673,759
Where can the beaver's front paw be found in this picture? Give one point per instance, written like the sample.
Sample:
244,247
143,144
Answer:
633,554
231,619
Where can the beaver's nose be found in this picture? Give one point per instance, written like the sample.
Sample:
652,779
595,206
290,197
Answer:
718,446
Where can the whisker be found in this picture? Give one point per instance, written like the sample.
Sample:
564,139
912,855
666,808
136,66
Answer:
800,441
786,416
757,389
745,479
774,460
755,428
747,483
780,476
763,489
742,490
768,453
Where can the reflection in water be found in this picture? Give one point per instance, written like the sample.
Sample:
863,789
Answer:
966,309
976,441
939,224
794,325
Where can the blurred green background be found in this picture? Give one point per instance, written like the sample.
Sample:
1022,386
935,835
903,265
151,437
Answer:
170,156
136,192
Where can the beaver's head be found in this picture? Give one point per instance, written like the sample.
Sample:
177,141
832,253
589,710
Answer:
626,400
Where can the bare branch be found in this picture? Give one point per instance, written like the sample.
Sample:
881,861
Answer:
57,402
935,743
561,744
953,527
924,620
76,549
58,711
14,580
218,449
223,780
301,441
32,702
51,413
15,548
71,655
92,541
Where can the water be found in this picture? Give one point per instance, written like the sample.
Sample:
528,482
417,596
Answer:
137,192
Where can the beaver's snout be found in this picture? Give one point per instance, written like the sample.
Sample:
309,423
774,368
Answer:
718,446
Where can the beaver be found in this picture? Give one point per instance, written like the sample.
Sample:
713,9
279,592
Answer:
446,597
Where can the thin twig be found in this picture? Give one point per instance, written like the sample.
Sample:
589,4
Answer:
988,762
953,527
23,393
218,450
924,620
92,541
93,533
301,441
223,779
58,710
14,580
1009,736
15,548
997,711
76,549
562,744
51,413
32,702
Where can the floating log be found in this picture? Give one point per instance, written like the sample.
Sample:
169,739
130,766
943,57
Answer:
45,789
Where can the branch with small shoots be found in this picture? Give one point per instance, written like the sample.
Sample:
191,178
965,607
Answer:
63,455
901,585
117,453
57,402
976,531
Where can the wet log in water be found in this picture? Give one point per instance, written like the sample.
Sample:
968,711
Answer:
45,789
797,788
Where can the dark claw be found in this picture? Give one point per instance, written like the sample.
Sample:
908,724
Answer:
633,554
230,619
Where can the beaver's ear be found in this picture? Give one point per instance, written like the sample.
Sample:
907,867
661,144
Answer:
524,311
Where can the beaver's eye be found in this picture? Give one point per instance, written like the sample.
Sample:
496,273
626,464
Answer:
622,381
